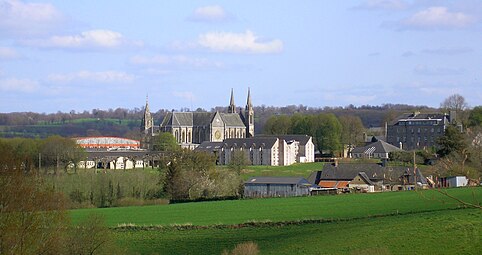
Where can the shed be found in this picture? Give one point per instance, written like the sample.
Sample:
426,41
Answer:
276,187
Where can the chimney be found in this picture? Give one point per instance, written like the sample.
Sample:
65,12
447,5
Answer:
453,116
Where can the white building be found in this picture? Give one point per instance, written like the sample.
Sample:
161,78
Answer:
265,150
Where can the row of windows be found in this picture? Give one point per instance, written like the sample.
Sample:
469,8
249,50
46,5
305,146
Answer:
419,130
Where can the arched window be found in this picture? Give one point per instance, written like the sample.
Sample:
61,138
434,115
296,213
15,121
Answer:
183,136
176,134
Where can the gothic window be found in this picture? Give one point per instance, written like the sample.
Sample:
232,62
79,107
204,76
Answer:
183,136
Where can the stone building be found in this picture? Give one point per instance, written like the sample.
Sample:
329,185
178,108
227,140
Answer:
412,131
192,128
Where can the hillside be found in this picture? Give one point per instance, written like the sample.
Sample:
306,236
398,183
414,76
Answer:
381,223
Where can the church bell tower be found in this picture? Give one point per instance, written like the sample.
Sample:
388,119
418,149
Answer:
147,120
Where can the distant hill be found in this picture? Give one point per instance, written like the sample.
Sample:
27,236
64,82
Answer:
126,122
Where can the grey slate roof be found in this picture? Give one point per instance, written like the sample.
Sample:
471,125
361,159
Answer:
379,147
232,120
365,177
278,180
375,172
209,146
418,116
202,118
256,142
177,119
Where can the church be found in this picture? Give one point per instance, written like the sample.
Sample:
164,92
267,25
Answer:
193,128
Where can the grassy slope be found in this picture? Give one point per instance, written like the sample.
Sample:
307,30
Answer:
303,169
282,209
441,232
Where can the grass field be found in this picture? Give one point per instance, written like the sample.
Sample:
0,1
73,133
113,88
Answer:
423,222
440,232
282,209
303,170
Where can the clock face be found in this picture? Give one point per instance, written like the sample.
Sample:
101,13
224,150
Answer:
217,134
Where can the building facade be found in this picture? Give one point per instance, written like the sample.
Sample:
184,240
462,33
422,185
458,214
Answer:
413,131
264,150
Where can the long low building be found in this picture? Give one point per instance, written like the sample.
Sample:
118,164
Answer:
107,142
277,187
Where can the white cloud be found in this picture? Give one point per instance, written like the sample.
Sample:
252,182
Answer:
212,13
425,70
175,61
382,4
437,17
18,85
91,39
448,51
25,19
8,53
246,42
102,77
185,95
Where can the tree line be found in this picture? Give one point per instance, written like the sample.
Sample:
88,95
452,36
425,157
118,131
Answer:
329,132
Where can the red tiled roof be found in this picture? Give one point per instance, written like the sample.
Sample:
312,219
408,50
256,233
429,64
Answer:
334,184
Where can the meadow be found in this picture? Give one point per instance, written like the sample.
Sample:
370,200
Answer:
298,169
438,232
283,209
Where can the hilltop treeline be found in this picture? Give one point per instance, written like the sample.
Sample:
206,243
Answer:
125,122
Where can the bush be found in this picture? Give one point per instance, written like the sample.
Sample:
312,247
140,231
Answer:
248,248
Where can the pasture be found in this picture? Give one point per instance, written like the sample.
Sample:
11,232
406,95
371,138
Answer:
439,232
283,209
408,222
298,169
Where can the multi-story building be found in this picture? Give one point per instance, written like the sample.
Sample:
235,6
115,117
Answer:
413,131
264,150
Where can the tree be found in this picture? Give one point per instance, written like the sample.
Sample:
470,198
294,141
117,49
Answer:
238,161
91,236
278,125
184,170
454,102
351,130
164,142
453,141
32,215
475,116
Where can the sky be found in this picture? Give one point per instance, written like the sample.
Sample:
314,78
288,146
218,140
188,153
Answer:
84,55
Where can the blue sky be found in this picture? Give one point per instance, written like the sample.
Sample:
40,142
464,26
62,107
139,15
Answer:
81,55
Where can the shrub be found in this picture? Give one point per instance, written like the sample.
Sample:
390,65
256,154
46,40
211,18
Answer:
247,248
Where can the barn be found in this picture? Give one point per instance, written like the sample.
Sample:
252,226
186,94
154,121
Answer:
277,187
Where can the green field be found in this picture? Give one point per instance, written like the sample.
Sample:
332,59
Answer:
379,223
299,169
440,232
282,209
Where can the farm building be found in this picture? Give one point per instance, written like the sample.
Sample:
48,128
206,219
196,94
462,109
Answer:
368,177
379,149
277,187
454,181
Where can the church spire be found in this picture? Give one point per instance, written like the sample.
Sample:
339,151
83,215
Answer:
232,107
147,120
249,116
248,101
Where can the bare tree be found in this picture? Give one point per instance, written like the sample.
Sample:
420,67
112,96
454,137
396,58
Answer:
454,102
